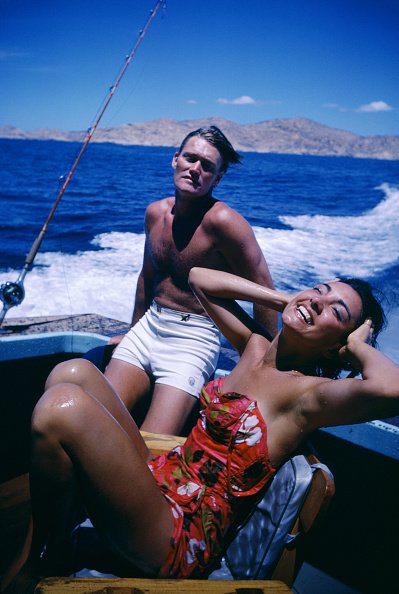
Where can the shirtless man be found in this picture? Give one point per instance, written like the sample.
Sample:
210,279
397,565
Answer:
172,342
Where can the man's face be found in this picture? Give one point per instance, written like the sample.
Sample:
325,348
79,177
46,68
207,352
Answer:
197,167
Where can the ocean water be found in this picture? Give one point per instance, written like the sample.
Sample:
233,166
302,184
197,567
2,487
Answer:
314,217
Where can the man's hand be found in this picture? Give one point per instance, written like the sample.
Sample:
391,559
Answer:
115,340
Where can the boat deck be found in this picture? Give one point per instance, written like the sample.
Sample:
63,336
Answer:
91,323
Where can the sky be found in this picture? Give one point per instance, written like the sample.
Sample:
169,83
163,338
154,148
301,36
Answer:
333,61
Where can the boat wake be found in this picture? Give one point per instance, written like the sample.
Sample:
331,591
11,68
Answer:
103,279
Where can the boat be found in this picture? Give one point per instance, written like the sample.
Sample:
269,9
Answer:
354,544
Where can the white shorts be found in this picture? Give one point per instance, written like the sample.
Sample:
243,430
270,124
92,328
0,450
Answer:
178,349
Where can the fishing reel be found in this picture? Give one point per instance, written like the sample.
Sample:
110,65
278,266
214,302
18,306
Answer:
11,294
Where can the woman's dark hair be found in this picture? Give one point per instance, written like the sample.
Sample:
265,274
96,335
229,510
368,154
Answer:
216,138
371,309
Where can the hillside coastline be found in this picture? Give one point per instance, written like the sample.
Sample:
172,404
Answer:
298,136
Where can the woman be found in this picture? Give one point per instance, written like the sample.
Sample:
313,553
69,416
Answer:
85,441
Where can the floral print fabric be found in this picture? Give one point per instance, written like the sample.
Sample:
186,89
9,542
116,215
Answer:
207,480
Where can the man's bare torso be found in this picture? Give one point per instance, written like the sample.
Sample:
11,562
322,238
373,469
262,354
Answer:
176,245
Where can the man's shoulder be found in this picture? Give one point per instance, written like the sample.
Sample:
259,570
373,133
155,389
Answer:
158,207
161,204
221,215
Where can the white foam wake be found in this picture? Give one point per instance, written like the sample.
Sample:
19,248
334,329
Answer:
103,280
323,247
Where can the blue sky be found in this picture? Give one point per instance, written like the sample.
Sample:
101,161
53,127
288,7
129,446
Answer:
333,61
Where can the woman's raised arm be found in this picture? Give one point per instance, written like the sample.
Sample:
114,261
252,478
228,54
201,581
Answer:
376,395
216,283
217,290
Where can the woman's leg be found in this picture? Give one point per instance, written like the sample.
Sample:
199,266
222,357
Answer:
77,442
84,374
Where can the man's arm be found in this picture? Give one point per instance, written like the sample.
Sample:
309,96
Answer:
145,287
139,306
145,282
245,258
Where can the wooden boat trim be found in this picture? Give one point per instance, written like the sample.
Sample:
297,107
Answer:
154,586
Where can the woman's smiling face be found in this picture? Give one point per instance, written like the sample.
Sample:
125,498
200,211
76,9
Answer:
326,314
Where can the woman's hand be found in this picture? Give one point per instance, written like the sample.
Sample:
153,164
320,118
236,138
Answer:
115,340
362,335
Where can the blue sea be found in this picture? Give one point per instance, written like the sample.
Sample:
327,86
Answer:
314,217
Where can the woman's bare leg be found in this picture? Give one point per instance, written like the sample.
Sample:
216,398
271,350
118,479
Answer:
84,374
76,441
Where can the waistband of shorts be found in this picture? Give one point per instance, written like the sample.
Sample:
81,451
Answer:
182,316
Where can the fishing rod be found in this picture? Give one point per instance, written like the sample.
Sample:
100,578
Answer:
13,293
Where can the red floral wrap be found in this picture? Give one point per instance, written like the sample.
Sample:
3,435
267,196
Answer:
224,460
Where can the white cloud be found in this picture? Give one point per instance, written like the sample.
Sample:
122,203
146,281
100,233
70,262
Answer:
372,107
243,100
335,106
192,101
9,55
375,106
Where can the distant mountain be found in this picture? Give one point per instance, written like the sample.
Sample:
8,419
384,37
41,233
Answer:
299,136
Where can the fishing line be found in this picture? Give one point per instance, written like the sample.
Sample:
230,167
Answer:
116,112
13,293
139,79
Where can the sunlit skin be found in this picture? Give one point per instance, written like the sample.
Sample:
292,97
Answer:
197,168
281,375
324,314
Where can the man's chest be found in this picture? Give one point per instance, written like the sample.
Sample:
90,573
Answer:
181,248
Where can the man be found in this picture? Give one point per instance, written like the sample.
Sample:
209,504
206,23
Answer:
172,342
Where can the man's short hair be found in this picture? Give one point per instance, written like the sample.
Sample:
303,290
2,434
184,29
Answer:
215,136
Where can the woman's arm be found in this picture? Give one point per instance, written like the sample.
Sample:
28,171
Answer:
374,396
216,283
217,290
